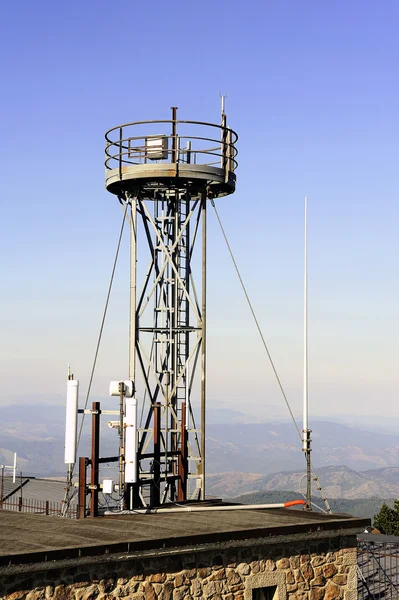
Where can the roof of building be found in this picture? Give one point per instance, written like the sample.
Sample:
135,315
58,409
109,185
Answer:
26,538
378,538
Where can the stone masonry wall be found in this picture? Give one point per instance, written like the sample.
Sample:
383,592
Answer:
325,570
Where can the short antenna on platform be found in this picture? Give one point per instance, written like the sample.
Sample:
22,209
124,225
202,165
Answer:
223,101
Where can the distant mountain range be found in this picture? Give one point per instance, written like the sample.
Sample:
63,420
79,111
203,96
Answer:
337,482
242,457
274,446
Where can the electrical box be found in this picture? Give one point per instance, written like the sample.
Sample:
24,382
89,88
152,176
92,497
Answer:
156,147
107,486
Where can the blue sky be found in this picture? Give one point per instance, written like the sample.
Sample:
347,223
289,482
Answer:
313,94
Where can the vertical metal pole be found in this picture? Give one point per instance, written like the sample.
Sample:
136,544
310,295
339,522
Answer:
120,152
306,431
166,434
203,345
305,332
95,451
121,449
2,486
224,148
133,285
132,325
182,486
82,487
174,134
156,483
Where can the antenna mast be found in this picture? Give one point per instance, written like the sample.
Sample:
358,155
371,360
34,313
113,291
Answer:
306,431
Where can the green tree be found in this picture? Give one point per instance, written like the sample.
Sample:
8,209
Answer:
387,520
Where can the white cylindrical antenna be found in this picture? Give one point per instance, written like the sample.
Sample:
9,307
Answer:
131,440
305,336
14,469
71,421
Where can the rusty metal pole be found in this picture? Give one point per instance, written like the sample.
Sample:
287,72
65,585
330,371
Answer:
82,487
156,483
95,451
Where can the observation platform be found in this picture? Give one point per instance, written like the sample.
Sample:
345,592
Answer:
152,157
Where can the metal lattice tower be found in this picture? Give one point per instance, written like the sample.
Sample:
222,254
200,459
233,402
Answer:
165,172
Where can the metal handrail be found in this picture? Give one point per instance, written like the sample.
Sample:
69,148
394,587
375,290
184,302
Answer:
204,123
139,153
124,152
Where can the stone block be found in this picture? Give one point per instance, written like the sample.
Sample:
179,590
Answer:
243,569
180,593
203,572
149,592
167,591
190,573
255,567
330,557
232,577
179,580
196,588
283,563
290,577
295,562
218,575
316,593
157,578
307,571
329,570
236,588
340,579
298,576
333,591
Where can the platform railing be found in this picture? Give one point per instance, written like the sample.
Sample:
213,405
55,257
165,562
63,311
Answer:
124,148
38,507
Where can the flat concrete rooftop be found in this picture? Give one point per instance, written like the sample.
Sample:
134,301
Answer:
26,538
